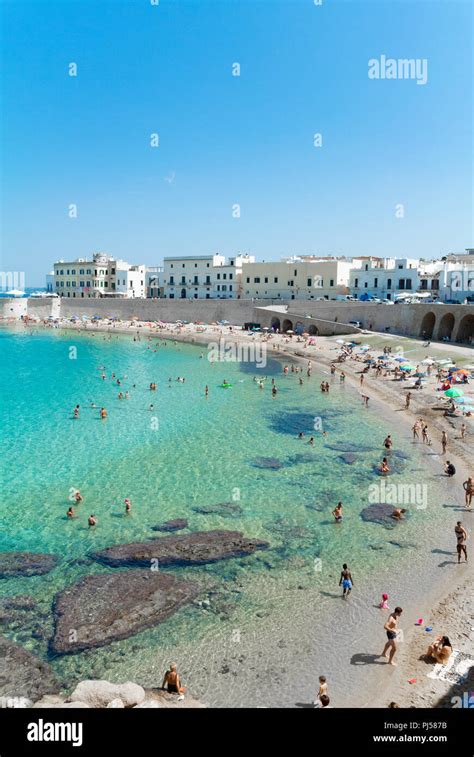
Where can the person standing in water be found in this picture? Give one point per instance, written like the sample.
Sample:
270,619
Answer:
346,581
391,630
92,521
206,391
337,512
461,536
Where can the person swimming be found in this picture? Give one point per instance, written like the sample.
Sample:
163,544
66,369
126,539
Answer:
70,513
384,466
103,413
92,521
128,507
78,497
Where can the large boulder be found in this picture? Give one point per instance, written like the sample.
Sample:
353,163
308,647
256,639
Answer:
22,674
171,525
105,607
103,694
25,564
189,549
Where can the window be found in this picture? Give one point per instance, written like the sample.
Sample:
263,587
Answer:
62,273
208,279
171,266
407,283
183,264
113,285
141,282
401,283
183,279
106,284
400,267
218,287
265,280
68,283
113,271
224,275
207,265
376,282
230,287
196,280
331,282
62,283
275,279
218,276
67,271
81,271
291,283
208,296
224,287
389,283
88,283
248,282
89,271
366,267
195,265
81,283
256,280
365,285
356,283
171,280
295,272
424,284
231,276
435,284
308,282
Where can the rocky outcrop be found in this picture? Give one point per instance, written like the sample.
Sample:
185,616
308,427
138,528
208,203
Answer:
222,508
25,564
22,674
380,513
105,694
171,525
190,549
103,608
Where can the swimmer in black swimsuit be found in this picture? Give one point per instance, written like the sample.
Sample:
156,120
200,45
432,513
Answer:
391,629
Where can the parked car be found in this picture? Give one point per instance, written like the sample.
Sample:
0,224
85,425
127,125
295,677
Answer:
388,302
357,324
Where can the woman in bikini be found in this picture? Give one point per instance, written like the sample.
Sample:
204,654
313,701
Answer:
172,681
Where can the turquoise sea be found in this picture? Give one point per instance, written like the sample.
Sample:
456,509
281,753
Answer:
236,446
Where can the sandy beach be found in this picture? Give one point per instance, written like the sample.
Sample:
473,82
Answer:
448,605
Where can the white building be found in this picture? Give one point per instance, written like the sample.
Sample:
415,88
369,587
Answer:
203,276
383,278
50,282
297,278
100,277
154,282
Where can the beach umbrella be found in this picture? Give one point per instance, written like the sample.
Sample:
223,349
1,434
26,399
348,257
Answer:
15,293
427,361
454,392
407,367
400,359
419,374
288,332
462,371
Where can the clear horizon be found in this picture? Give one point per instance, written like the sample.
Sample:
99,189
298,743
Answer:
392,177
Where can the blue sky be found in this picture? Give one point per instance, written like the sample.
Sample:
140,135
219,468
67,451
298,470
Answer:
226,140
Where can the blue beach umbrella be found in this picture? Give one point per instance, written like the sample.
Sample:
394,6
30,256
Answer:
406,368
400,359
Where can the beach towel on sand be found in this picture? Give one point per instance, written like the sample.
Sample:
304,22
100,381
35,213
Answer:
456,669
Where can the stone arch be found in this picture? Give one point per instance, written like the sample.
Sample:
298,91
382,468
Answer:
287,325
466,329
276,325
446,326
427,325
313,330
299,327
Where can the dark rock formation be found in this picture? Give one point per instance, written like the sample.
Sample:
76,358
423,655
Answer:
379,513
171,525
107,607
22,674
222,508
25,564
187,549
269,463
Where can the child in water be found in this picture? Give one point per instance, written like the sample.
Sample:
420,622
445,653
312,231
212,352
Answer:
384,603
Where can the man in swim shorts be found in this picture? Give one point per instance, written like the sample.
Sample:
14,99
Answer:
346,581
391,630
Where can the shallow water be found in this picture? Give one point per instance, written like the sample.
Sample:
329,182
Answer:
239,445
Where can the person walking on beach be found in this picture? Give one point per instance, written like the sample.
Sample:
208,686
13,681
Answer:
461,536
424,434
444,441
323,691
463,431
391,630
362,377
415,429
346,581
468,487
407,400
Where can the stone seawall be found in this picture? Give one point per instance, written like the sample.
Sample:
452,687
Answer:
436,322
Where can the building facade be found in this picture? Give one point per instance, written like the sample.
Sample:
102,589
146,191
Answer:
203,277
383,278
296,279
103,276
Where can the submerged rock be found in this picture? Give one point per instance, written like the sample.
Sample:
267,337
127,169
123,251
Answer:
270,463
22,674
197,548
103,608
222,508
171,525
378,513
349,458
25,564
19,602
